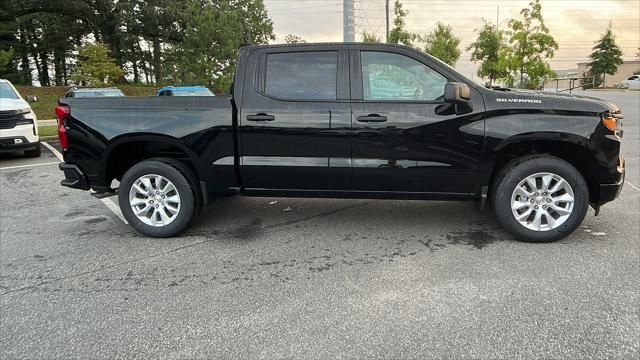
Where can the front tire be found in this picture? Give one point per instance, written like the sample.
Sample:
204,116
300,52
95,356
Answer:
157,199
35,152
540,198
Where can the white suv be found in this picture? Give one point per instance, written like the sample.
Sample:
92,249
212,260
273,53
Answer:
18,123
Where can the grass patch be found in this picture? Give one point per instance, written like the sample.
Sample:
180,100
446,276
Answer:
47,131
48,97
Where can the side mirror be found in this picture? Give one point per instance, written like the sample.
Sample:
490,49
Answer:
32,98
458,94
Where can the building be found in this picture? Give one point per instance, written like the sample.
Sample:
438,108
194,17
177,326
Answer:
625,70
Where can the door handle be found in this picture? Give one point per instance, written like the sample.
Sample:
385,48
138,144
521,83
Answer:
261,117
372,118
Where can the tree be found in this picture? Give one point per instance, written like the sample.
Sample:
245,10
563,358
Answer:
590,81
443,44
530,45
486,50
5,60
605,57
95,67
293,39
399,34
213,33
368,37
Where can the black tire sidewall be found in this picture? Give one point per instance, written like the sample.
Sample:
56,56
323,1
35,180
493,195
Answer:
518,171
184,187
37,152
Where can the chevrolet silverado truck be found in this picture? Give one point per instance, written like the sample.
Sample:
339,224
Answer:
18,122
348,121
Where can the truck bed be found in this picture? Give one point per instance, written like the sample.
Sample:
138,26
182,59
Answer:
200,127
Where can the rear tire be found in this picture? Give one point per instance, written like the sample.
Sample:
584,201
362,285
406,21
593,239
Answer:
539,198
158,199
35,152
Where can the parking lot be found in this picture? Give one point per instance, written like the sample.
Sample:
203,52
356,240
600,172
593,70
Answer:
312,278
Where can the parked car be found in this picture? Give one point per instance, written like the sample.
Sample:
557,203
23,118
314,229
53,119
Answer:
80,92
632,82
184,91
304,121
18,123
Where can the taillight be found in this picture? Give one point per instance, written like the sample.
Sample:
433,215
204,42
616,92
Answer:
62,112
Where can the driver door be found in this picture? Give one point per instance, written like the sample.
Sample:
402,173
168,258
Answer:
399,142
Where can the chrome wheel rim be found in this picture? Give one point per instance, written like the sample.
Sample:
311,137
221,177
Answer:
542,201
154,200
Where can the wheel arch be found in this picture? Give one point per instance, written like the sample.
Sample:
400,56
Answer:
127,150
572,148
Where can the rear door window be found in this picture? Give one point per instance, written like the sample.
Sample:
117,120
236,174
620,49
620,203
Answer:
302,75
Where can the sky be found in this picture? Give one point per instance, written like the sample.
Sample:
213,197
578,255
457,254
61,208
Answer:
575,24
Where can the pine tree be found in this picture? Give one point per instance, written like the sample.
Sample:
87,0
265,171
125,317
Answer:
605,57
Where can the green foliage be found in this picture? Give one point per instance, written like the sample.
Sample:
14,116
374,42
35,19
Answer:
605,57
443,44
48,131
368,37
591,80
5,59
294,39
95,67
486,50
48,96
530,44
399,34
213,33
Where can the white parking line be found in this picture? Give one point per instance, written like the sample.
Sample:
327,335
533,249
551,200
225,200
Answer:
110,204
114,207
633,186
28,165
53,150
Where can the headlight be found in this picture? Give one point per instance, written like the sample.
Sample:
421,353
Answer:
613,122
26,117
24,121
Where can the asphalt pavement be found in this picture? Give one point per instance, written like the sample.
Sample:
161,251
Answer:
312,278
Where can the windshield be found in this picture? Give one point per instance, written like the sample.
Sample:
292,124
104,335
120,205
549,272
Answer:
203,92
105,93
6,92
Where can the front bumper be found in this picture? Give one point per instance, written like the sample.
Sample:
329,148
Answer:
609,192
73,177
26,131
16,143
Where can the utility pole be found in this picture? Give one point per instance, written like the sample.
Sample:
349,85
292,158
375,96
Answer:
348,21
386,7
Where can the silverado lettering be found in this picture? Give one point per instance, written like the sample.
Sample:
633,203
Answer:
531,101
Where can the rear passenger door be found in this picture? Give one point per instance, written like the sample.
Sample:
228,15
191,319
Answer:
295,120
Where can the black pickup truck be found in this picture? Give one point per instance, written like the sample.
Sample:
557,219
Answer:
348,121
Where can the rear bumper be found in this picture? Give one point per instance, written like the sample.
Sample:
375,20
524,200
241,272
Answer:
73,177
